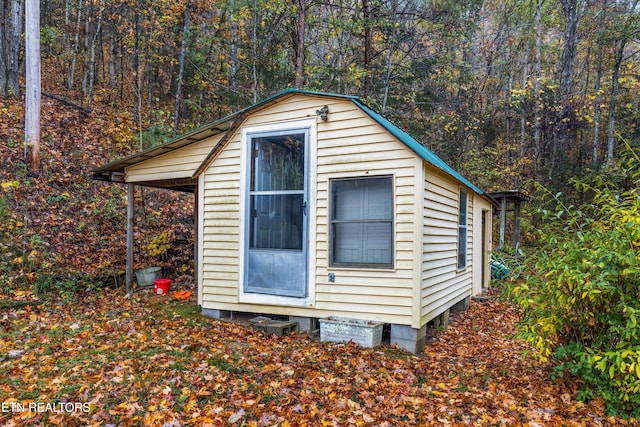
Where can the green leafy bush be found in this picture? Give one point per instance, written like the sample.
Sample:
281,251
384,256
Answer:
581,308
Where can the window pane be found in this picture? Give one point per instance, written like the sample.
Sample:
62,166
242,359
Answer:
362,199
362,221
462,247
462,230
463,208
277,163
363,243
276,222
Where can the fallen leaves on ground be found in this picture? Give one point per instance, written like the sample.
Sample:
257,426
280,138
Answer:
152,360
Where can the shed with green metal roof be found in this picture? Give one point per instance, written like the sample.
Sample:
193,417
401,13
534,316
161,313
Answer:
312,205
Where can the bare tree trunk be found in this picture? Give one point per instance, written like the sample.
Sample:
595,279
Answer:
92,59
254,62
367,47
3,50
563,117
76,44
597,89
300,38
136,72
612,101
113,54
233,53
67,26
596,107
33,94
86,46
622,42
537,74
523,111
389,66
14,33
183,54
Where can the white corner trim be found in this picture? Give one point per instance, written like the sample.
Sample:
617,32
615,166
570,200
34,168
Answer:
200,237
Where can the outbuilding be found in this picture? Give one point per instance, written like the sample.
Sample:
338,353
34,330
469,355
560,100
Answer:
312,205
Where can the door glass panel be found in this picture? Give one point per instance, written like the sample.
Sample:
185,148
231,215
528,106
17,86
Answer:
278,163
276,221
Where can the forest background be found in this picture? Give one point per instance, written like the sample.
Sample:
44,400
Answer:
504,91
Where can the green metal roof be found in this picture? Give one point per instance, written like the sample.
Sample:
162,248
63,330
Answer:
225,123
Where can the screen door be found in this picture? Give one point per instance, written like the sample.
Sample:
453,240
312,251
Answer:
277,219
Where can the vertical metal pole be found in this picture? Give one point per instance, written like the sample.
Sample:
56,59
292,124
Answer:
130,213
516,226
503,219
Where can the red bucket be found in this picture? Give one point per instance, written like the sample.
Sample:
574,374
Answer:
161,286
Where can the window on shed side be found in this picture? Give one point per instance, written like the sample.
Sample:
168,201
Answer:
462,229
362,222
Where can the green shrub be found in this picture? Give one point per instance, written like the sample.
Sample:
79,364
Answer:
582,306
67,286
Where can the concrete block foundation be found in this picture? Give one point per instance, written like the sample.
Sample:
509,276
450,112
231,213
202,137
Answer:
216,314
462,305
442,321
305,323
408,338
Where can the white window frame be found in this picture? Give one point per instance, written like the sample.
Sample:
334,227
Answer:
463,229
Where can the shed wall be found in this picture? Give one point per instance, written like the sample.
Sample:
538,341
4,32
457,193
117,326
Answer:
349,144
442,284
481,250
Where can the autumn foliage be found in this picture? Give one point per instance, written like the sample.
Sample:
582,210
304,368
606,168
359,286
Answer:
581,302
63,231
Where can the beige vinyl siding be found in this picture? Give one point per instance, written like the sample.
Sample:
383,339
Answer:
349,144
221,227
181,163
442,283
353,145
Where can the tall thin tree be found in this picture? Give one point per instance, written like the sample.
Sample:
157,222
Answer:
597,89
92,57
299,43
33,87
628,28
181,61
11,31
572,13
537,124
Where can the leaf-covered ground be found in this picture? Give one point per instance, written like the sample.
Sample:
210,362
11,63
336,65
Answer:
152,360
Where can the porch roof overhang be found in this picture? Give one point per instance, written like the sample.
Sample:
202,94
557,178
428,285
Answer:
186,185
510,195
116,171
